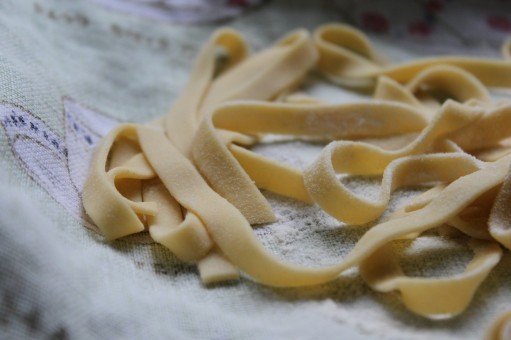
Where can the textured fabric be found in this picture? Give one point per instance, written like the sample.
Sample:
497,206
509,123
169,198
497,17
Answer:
71,70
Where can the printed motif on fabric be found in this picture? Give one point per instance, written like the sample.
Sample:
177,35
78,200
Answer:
58,164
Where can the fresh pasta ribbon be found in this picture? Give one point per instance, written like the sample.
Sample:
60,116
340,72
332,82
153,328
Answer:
226,225
340,202
438,80
499,221
262,77
185,115
192,181
161,213
501,328
488,131
435,297
115,215
235,168
472,221
346,57
268,73
448,203
186,238
364,159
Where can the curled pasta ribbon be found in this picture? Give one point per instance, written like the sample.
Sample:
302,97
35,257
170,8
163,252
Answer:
268,73
365,159
347,58
106,205
472,221
234,169
185,114
438,80
186,238
196,187
115,215
500,216
501,328
227,226
439,297
487,131
340,202
261,77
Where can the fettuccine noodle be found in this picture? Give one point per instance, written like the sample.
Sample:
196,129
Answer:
191,179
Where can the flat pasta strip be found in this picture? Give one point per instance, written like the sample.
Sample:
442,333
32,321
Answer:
443,81
287,62
186,238
192,181
499,222
347,58
501,328
185,115
434,297
490,129
364,159
227,226
115,215
225,173
340,202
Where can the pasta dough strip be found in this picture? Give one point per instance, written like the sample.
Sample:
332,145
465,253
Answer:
500,215
448,80
363,159
501,328
359,68
227,226
287,62
340,202
111,212
487,131
235,237
216,229
340,120
439,297
187,239
185,115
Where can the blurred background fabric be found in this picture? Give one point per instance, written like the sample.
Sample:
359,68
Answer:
72,70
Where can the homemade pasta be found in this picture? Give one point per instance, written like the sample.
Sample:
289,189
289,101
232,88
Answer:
192,181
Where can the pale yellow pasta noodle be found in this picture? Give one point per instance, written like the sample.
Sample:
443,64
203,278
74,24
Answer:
192,181
501,328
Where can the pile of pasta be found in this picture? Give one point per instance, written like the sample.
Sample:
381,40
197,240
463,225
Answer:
191,179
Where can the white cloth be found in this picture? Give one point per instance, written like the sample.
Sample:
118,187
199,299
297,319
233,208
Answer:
69,71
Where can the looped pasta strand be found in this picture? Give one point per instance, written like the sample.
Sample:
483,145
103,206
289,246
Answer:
501,328
343,61
193,181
